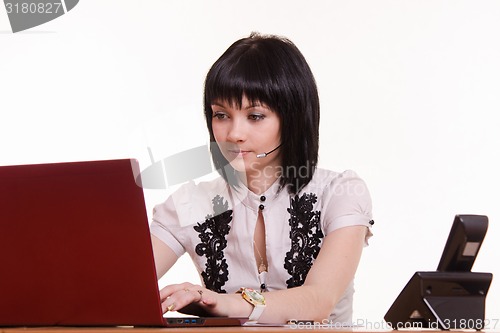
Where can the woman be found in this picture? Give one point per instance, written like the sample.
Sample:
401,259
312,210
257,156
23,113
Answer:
290,233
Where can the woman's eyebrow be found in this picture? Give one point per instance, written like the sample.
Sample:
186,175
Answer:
218,104
248,107
257,105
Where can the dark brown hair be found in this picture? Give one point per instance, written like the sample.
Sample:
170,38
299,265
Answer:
271,70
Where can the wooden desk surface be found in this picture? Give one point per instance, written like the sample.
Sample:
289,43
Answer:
247,329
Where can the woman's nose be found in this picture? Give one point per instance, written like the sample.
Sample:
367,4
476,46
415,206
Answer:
237,131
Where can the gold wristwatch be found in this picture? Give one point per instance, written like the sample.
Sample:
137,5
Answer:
256,299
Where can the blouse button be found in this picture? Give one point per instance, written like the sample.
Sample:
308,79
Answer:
261,207
263,198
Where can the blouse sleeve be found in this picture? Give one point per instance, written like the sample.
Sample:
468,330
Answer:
173,220
165,226
348,203
172,217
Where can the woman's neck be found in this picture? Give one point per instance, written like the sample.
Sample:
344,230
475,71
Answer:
260,182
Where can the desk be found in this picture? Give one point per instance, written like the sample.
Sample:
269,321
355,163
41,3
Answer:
245,329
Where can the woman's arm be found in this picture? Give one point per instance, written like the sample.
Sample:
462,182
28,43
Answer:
164,257
326,282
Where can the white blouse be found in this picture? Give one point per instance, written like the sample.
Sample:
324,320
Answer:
214,223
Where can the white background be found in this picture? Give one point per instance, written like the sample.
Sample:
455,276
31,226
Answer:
410,92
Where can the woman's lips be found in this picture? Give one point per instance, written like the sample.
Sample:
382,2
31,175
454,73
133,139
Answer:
238,152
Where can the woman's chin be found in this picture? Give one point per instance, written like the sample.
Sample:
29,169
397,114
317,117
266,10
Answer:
239,166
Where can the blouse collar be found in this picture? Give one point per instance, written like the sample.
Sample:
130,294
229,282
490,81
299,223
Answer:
255,201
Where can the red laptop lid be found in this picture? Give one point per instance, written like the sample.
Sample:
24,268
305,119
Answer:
75,246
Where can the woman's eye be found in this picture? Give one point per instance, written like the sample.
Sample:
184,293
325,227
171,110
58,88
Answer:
256,117
219,115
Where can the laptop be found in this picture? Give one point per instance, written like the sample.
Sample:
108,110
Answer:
75,248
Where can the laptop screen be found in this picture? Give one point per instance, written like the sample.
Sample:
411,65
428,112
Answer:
75,246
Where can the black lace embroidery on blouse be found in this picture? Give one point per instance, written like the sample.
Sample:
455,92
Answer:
306,237
212,234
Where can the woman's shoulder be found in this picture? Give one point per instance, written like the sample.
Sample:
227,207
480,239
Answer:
201,194
345,185
193,201
345,200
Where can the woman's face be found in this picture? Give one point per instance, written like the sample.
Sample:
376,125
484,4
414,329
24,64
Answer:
243,133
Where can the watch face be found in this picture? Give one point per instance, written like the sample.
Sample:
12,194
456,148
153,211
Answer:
254,297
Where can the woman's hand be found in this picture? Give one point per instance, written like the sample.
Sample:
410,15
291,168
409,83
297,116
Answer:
195,300
187,296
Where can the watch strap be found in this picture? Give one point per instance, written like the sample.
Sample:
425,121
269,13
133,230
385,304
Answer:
256,312
256,299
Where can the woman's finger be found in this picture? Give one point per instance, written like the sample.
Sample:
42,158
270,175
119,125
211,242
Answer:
173,288
180,296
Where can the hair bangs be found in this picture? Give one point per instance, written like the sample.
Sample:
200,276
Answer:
249,75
